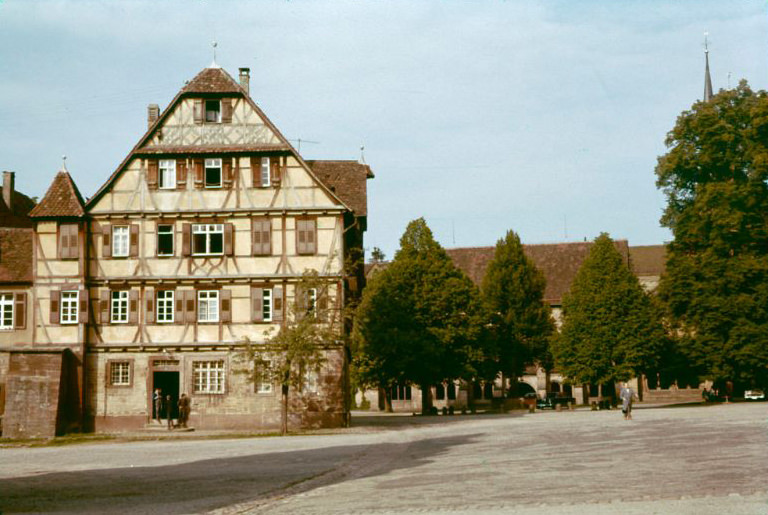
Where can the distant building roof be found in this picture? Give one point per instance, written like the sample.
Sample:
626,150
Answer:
212,80
18,215
347,179
559,262
648,259
15,255
62,199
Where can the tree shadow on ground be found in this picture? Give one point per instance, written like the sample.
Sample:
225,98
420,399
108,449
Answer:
210,484
361,419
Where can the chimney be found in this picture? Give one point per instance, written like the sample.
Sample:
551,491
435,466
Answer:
153,113
8,179
245,80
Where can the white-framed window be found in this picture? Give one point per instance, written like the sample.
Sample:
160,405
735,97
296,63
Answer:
207,239
213,111
213,173
208,306
264,385
6,311
165,240
311,381
120,373
265,175
312,302
266,304
69,301
165,306
121,237
208,376
119,307
167,175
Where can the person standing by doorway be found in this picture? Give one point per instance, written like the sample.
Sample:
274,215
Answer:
627,397
157,405
184,409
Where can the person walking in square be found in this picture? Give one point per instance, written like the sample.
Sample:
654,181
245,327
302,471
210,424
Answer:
627,396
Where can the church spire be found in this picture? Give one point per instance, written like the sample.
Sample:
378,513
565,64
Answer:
707,78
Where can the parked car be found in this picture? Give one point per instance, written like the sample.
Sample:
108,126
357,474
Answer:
754,395
553,399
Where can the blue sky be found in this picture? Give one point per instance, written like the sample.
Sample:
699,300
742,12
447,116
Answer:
542,117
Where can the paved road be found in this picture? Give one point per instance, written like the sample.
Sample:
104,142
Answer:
697,460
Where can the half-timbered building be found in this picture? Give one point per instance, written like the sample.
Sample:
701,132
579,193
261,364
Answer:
193,247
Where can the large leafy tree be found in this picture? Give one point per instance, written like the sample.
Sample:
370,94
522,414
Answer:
513,292
610,331
716,285
419,320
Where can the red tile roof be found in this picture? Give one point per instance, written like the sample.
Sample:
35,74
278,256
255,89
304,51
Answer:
63,199
212,80
18,215
559,263
347,179
648,259
15,255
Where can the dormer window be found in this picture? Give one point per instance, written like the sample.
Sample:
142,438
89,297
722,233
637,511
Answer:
213,111
213,173
167,174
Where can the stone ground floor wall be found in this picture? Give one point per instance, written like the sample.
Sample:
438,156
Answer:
119,401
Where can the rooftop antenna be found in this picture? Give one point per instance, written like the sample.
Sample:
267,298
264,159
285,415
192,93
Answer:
362,154
64,164
565,227
299,141
214,44
729,80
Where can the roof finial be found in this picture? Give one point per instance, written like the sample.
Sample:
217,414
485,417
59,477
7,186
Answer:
707,78
214,44
362,154
64,164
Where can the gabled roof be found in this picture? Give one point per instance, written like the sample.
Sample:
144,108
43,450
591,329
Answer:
18,215
218,81
648,260
347,179
15,255
62,199
212,80
559,262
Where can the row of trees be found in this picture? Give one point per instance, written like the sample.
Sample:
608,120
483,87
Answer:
422,321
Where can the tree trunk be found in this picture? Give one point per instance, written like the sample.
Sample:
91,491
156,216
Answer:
504,386
426,399
388,400
471,395
284,411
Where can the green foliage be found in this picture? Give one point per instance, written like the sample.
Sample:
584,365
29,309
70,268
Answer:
716,285
419,320
513,292
610,331
377,255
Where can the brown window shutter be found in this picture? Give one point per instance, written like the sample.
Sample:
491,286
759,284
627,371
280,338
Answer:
186,239
226,110
229,239
225,297
311,231
301,237
277,304
256,233
133,307
83,298
257,304
178,315
190,300
104,306
256,171
197,112
181,174
54,306
152,174
20,310
226,171
106,240
63,241
274,170
149,302
134,251
199,172
74,251
266,236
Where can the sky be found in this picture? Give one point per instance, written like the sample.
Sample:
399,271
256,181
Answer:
543,117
